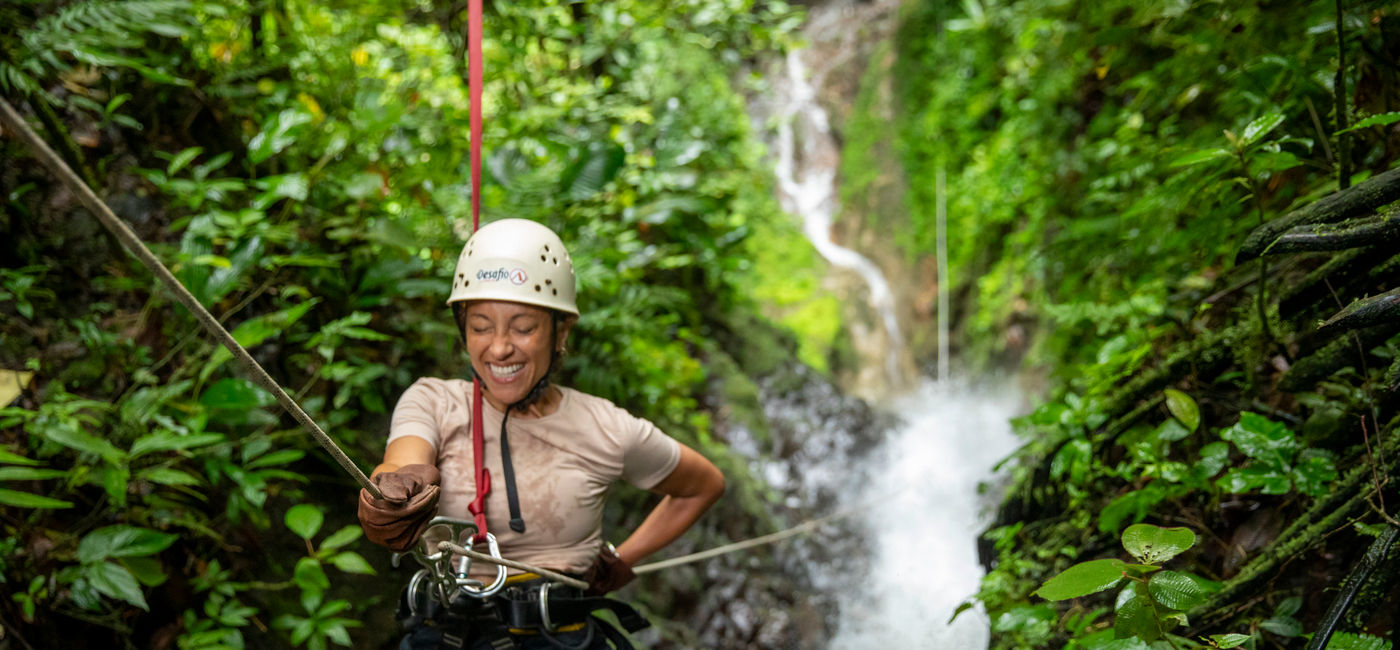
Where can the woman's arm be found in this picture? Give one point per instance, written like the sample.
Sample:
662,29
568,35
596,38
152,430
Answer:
408,450
690,490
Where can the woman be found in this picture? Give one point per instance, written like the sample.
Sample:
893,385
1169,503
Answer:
554,450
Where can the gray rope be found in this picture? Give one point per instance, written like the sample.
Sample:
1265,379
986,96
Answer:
133,245
804,527
491,559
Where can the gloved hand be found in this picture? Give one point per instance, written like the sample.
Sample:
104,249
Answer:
608,573
410,501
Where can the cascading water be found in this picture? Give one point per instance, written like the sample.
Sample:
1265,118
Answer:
807,184
920,504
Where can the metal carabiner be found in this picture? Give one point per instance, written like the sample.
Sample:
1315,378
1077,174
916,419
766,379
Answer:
473,588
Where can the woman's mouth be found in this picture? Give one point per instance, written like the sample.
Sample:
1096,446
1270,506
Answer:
505,373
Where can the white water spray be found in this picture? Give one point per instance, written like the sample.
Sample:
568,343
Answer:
924,520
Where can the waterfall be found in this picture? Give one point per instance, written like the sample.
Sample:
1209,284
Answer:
923,503
806,171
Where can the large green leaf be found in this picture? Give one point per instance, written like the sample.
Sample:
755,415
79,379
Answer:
304,519
1255,477
1352,641
1082,579
351,562
341,537
1134,617
225,279
1183,408
1229,640
7,456
1154,544
1263,439
26,500
29,473
278,133
1314,471
309,575
235,399
1175,590
1381,119
169,476
116,582
1260,127
121,540
166,440
68,434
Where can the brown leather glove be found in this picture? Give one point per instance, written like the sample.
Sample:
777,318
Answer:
410,501
608,573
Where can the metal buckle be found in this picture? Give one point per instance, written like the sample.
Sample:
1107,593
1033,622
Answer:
544,607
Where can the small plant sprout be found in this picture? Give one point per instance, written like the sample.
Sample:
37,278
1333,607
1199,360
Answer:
1152,601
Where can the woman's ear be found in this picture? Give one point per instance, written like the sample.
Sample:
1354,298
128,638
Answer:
563,326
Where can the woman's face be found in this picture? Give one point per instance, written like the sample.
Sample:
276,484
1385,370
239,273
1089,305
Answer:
510,347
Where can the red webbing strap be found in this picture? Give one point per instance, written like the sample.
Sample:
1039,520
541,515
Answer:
483,477
474,87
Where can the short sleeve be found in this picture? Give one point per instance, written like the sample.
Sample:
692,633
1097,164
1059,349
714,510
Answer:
416,412
649,455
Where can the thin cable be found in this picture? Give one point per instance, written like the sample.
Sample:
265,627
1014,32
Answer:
133,244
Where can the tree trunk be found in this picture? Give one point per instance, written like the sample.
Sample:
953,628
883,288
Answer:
1370,195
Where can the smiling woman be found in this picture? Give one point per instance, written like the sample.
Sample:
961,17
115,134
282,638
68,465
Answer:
560,450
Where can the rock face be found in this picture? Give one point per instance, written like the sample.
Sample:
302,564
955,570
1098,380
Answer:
784,595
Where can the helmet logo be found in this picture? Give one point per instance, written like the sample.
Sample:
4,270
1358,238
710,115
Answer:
516,276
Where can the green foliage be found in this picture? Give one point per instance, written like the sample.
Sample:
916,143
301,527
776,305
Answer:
303,169
1153,601
1353,641
1279,463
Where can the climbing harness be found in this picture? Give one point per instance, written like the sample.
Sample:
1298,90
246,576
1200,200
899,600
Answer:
537,602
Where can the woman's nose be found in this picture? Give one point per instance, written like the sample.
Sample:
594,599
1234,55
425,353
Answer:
500,346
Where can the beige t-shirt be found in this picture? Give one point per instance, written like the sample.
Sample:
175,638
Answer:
564,464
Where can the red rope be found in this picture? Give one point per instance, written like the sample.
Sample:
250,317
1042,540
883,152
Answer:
483,477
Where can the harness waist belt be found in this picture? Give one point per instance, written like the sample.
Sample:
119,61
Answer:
520,607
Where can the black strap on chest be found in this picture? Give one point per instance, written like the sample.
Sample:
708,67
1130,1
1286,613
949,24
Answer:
517,522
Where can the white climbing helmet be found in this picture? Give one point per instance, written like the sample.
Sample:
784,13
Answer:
516,260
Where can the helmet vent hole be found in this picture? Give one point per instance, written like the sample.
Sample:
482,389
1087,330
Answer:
537,287
466,283
546,248
541,258
556,261
556,291
548,281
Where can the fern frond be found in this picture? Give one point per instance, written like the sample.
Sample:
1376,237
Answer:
99,32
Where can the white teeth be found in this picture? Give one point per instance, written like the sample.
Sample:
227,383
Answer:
504,371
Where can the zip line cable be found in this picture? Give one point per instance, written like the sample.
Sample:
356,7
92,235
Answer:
12,121
133,244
